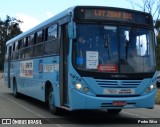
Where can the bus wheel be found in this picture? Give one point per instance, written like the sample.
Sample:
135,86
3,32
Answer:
114,111
15,93
51,102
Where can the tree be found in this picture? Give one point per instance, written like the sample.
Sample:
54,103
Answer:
9,28
158,51
157,26
150,6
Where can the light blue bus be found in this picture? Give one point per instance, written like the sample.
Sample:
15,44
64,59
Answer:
86,57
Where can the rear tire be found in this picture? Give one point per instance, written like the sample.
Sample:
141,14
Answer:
51,103
114,111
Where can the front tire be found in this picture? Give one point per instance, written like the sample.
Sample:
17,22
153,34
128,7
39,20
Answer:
51,103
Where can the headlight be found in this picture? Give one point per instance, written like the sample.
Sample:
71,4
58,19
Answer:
152,87
148,89
78,86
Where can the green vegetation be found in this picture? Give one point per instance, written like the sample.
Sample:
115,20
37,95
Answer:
158,52
9,28
158,97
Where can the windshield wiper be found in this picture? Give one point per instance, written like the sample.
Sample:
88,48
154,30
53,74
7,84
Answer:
105,39
128,42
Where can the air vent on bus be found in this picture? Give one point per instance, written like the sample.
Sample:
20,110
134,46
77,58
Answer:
118,83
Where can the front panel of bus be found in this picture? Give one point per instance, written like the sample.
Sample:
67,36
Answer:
113,58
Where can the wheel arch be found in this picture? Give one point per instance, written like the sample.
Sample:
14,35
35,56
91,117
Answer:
48,84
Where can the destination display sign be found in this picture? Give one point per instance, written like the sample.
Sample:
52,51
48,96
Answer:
108,14
115,14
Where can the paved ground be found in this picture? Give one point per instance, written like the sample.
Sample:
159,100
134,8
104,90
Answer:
26,107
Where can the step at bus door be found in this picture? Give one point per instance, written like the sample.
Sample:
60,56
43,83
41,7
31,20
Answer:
64,48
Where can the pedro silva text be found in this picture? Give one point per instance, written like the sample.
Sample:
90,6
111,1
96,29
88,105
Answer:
147,121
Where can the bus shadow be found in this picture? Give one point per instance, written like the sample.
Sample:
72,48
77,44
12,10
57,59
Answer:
92,117
32,101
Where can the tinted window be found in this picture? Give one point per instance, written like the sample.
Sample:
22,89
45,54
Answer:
39,38
26,42
28,52
51,47
52,32
21,43
16,46
13,46
38,50
31,40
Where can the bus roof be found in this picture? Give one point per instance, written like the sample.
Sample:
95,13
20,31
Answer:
62,14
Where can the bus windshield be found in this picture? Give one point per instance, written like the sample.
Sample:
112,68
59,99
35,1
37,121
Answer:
114,49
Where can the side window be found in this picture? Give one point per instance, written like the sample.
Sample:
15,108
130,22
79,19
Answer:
13,47
51,44
38,48
52,32
21,50
13,51
26,42
28,51
21,43
30,40
39,37
16,46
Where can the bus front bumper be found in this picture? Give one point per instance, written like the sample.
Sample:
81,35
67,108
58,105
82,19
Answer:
82,101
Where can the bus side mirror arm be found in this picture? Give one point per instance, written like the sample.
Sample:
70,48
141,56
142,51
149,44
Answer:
72,30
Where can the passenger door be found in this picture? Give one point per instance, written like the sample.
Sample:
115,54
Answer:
64,51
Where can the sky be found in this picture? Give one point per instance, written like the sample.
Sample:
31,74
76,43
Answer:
33,12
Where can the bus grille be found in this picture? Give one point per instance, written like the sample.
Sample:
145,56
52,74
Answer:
118,83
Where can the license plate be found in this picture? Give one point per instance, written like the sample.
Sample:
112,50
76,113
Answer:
119,103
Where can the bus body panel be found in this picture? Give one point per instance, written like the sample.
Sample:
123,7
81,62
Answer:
44,69
92,102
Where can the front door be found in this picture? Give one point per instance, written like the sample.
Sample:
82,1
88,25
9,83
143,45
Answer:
64,48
